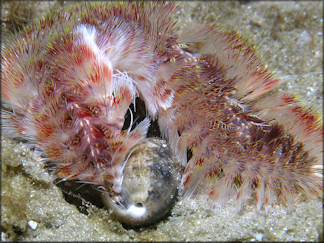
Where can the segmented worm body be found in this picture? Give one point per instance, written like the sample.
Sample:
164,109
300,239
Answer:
69,79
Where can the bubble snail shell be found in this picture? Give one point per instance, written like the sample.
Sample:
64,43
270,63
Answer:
149,186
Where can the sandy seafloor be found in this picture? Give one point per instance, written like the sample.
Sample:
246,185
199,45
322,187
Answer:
290,34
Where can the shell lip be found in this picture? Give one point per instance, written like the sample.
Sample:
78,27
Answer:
122,207
129,214
137,215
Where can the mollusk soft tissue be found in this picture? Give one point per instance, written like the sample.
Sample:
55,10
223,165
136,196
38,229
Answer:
69,79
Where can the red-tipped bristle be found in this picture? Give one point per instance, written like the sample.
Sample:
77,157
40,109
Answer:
81,68
242,142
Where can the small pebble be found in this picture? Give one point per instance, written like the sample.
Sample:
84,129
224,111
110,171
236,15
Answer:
32,224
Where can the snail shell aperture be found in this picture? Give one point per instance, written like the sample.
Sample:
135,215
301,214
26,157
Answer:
149,186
